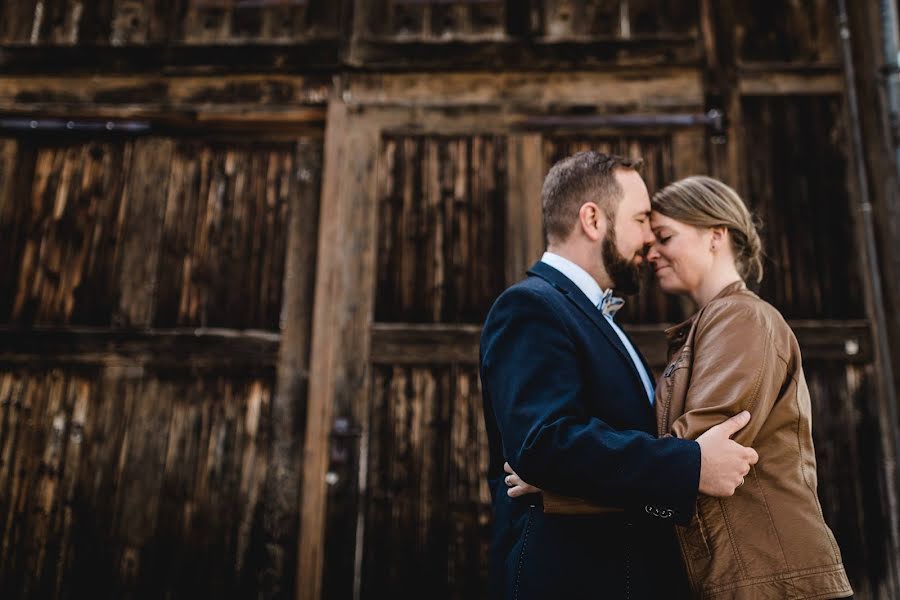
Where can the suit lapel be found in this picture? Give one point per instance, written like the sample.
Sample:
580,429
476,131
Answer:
574,294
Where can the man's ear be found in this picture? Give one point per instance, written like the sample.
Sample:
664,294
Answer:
592,221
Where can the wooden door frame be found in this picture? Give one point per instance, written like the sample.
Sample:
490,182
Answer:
359,113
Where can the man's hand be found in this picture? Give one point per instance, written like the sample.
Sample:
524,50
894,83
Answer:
724,462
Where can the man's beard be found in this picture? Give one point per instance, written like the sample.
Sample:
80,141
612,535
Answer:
624,273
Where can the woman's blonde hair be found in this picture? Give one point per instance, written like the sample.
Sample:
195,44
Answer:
706,202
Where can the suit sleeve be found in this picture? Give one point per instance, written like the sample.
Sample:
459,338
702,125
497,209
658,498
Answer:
736,367
530,373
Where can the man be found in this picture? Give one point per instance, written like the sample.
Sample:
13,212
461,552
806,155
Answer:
568,402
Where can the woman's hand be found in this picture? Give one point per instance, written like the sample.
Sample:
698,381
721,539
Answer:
516,486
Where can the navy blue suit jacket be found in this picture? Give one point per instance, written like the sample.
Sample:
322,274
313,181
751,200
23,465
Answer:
564,405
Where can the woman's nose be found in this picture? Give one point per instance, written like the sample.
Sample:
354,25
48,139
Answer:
652,253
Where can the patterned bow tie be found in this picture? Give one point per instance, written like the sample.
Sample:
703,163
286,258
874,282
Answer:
609,304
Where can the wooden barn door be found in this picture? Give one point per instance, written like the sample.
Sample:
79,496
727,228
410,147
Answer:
144,377
425,221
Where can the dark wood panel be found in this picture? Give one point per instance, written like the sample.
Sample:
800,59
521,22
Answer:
647,17
427,502
134,22
847,431
65,223
415,19
120,488
224,235
799,191
786,30
441,228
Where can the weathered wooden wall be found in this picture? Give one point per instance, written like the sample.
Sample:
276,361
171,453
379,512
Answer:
217,380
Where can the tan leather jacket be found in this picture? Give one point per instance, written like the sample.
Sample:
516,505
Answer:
769,540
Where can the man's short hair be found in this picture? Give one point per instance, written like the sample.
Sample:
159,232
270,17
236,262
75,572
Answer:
587,176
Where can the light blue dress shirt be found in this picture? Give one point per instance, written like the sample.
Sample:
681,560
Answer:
594,292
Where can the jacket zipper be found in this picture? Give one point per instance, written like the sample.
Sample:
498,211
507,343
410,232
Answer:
667,374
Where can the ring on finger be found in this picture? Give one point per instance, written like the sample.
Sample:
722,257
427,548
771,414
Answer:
507,480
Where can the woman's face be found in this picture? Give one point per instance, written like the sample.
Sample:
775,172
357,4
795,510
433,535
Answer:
681,255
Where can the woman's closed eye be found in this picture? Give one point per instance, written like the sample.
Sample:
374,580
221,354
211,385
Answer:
664,239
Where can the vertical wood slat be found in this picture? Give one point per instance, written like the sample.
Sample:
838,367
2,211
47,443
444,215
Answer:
564,19
427,500
796,189
288,417
224,235
16,20
342,317
113,486
65,269
718,31
13,228
787,31
524,222
650,17
846,428
141,232
441,203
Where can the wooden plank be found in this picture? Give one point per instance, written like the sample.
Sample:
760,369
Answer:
210,94
564,20
440,203
409,344
340,346
17,20
718,27
307,54
689,154
141,231
641,89
67,258
524,221
225,221
775,82
406,344
282,491
204,349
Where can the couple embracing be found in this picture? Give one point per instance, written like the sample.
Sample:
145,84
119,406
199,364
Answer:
608,484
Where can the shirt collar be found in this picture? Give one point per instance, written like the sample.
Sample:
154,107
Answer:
587,284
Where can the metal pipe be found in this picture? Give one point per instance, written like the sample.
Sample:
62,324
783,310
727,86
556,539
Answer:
872,290
891,75
712,119
52,125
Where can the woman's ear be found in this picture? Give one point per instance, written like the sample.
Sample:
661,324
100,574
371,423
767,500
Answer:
592,221
718,238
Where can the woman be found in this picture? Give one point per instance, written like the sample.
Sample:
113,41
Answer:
737,353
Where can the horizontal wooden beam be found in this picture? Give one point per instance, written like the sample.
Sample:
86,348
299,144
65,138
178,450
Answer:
424,344
388,53
240,352
225,59
848,341
411,344
789,83
652,89
229,102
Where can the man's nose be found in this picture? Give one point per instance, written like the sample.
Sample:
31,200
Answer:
649,238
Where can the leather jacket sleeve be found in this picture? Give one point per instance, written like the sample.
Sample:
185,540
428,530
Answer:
736,366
